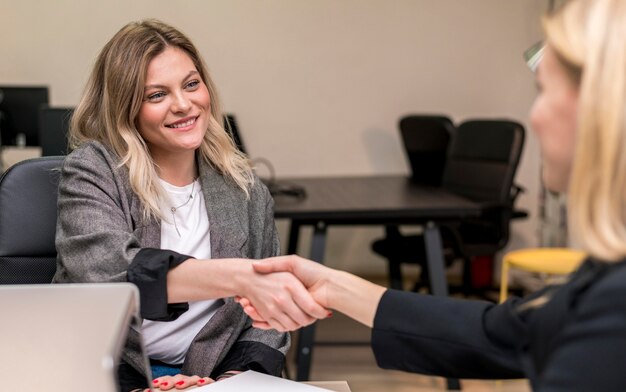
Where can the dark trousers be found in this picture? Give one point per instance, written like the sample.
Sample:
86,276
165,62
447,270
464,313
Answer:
129,378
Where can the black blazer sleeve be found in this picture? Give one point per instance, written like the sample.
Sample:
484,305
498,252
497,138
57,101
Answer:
589,351
447,337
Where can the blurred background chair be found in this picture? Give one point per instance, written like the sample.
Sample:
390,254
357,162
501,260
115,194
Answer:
546,261
231,126
481,164
54,125
425,139
28,216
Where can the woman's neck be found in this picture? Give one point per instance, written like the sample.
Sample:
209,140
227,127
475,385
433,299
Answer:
179,170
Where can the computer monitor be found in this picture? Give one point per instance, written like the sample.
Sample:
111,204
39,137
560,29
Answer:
54,124
19,114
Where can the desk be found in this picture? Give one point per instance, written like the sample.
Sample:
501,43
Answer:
336,386
377,200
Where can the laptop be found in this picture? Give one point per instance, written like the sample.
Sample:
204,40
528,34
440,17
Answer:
64,337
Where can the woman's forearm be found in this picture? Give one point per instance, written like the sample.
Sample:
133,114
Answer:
196,280
353,296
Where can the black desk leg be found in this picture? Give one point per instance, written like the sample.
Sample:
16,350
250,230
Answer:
437,274
434,258
294,234
307,334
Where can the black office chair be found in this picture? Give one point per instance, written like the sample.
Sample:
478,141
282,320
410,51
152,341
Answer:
425,139
231,126
481,164
28,216
54,125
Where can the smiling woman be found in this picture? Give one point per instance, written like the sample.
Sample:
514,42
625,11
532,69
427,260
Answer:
132,73
155,193
175,111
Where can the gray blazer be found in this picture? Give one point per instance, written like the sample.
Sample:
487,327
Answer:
100,230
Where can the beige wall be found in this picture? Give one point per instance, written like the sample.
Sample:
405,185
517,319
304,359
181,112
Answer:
318,86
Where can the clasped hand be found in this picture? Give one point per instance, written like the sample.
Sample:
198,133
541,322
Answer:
303,308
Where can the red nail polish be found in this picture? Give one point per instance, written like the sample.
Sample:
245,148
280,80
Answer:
155,381
330,314
180,383
164,383
201,381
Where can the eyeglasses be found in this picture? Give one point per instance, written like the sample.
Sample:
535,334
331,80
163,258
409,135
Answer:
533,55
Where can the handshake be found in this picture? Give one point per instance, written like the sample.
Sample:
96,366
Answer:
303,291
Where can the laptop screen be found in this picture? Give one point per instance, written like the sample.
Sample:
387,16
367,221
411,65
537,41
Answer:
64,337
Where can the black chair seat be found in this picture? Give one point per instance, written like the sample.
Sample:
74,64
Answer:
401,249
28,215
411,249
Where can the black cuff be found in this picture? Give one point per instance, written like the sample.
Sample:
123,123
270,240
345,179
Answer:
148,271
251,356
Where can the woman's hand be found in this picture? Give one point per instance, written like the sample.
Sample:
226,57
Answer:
280,299
311,274
178,382
314,276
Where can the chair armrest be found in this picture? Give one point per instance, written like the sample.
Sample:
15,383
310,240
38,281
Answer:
494,207
515,191
519,214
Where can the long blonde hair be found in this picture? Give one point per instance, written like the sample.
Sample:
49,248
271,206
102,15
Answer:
589,39
113,96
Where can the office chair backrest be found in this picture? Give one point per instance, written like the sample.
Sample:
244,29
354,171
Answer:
54,124
425,139
483,159
28,216
230,124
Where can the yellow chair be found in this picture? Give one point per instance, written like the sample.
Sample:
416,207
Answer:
551,261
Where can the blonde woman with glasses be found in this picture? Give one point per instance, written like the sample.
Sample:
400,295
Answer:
570,337
155,193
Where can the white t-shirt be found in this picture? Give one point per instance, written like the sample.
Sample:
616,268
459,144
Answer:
186,232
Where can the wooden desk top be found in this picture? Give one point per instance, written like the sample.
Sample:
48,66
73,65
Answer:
369,199
337,386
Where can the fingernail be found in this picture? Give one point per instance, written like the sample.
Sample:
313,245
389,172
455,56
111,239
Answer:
201,381
330,314
155,381
164,383
180,383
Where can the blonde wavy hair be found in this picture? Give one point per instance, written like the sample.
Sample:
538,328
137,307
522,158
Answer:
589,39
108,110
